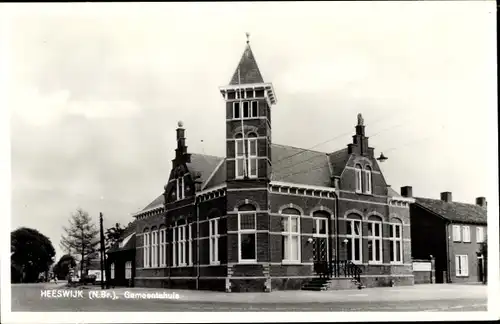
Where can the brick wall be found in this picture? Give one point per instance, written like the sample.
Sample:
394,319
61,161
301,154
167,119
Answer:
464,248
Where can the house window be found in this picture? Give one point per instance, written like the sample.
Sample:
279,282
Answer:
128,270
252,155
239,156
461,265
368,179
375,241
396,242
359,183
163,246
246,109
354,237
236,110
466,234
112,271
154,249
214,240
247,236
255,109
181,245
190,243
290,240
180,188
479,234
146,249
174,246
456,233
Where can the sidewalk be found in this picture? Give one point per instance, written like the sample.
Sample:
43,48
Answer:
388,294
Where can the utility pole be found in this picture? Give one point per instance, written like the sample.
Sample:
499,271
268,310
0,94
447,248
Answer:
103,251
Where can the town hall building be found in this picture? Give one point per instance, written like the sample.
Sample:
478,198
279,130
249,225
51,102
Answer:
268,216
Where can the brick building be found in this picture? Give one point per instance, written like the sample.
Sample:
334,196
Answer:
452,232
269,216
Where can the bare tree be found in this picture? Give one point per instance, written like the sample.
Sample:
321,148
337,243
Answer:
81,237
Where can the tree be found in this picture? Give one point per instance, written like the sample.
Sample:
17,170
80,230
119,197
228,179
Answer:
31,254
62,267
113,235
81,237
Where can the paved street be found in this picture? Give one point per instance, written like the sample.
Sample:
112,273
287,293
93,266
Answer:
27,297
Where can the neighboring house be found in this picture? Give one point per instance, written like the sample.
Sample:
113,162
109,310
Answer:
92,269
264,216
452,233
120,262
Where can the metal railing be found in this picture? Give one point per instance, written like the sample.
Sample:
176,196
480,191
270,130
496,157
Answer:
337,269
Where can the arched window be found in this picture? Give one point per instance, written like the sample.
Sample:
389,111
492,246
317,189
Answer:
359,183
239,154
146,248
154,247
179,244
163,246
252,155
213,236
368,179
375,239
247,233
396,240
354,236
290,230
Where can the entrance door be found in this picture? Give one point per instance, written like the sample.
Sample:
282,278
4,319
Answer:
480,268
320,244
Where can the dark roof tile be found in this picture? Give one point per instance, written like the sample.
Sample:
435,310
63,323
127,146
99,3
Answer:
455,211
249,71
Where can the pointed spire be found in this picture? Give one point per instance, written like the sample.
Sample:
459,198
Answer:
248,70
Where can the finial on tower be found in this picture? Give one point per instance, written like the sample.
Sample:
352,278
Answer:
360,120
248,37
180,123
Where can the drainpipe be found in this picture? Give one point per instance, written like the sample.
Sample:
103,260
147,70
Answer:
337,238
448,267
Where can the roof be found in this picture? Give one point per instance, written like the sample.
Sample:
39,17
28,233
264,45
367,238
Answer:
248,70
454,211
392,193
203,165
338,161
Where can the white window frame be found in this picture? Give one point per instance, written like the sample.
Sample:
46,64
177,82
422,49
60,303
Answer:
460,261
252,157
353,237
213,228
181,245
239,156
479,234
240,109
358,176
154,249
180,188
174,247
456,233
367,172
247,231
128,270
466,234
394,240
146,249
289,235
375,238
163,247
112,271
190,244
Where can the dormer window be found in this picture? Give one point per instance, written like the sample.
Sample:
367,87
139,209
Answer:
359,182
363,178
179,188
368,179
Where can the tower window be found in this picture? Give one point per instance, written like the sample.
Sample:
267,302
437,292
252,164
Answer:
255,108
236,110
246,109
250,94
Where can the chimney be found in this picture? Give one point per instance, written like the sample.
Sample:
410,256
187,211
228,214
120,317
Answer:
407,191
181,155
446,196
481,201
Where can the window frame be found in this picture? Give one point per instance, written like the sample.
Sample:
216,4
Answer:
128,270
154,248
146,249
112,271
163,247
353,237
180,188
466,230
213,236
252,141
480,229
181,245
247,231
358,175
190,244
394,239
374,239
290,235
460,271
456,233
238,108
367,174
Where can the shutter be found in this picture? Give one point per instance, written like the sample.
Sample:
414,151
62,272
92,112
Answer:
457,265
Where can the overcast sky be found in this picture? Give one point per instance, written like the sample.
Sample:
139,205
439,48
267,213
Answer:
95,95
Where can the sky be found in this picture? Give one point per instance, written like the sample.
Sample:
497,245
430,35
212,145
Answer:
95,92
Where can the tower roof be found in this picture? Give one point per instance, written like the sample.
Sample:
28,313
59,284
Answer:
248,70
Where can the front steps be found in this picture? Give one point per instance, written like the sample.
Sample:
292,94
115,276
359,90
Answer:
320,284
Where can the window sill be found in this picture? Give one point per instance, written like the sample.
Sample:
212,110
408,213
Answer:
247,262
215,263
396,263
462,276
374,262
286,262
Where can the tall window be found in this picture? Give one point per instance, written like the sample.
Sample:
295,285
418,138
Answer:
163,247
154,248
461,265
354,237
396,242
146,249
466,234
252,155
359,182
375,241
239,156
290,240
180,246
190,244
456,233
112,271
128,270
368,179
214,240
479,234
247,234
180,188
236,110
245,109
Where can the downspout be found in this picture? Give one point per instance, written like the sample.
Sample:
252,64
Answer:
337,239
448,261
